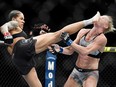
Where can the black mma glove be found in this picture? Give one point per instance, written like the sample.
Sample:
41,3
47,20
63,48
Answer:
54,51
66,38
8,38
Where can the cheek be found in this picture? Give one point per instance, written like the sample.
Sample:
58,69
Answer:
101,23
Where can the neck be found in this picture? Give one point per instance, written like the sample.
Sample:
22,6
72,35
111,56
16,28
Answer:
94,31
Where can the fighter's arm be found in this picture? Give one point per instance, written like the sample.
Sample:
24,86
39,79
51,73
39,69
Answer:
5,31
80,34
63,50
66,38
8,26
98,43
68,50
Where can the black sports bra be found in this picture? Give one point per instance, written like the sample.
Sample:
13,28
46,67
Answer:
21,34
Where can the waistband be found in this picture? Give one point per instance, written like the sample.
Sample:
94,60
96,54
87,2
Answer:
84,70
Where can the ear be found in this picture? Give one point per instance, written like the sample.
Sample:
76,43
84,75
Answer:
105,26
13,19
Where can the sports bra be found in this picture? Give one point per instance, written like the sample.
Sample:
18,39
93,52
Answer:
21,34
83,42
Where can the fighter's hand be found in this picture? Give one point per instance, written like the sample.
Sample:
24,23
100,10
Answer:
66,38
45,28
54,48
8,38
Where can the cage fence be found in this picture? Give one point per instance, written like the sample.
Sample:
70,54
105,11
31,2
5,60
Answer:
10,77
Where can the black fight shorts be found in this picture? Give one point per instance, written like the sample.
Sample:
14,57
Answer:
23,53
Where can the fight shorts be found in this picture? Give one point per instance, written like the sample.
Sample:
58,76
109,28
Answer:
80,75
23,55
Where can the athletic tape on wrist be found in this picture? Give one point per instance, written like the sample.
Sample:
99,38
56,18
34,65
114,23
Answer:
61,50
69,42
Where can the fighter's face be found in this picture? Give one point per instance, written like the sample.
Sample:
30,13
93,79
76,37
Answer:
20,20
103,22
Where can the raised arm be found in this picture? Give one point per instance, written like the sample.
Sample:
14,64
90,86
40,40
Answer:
8,26
5,31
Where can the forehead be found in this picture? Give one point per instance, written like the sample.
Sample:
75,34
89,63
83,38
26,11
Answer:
21,15
104,17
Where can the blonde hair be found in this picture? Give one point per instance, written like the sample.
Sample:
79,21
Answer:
111,26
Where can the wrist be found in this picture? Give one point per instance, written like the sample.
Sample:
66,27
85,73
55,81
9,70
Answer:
69,42
61,50
7,35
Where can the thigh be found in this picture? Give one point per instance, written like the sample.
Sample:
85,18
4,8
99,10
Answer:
91,80
45,40
71,83
32,78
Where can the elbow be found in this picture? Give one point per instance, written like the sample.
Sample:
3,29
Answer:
70,53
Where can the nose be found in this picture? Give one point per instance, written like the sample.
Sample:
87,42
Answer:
23,21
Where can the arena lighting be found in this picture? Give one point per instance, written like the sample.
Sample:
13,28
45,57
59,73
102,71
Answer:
110,49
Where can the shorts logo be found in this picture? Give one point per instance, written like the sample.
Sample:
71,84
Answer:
24,41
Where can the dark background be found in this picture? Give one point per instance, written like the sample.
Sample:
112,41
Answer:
56,14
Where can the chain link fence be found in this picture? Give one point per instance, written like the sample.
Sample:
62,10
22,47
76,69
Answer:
9,76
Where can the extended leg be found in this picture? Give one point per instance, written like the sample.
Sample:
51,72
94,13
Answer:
74,27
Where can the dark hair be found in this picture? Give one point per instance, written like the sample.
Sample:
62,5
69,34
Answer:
13,14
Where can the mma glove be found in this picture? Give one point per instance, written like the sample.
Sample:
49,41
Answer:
8,38
54,52
66,38
57,49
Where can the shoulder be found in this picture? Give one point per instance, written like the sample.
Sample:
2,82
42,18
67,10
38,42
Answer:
101,39
83,32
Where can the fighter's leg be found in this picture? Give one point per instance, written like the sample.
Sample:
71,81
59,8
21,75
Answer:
45,40
91,81
71,83
32,78
74,27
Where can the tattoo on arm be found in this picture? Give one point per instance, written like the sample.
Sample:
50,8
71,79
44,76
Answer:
12,25
9,26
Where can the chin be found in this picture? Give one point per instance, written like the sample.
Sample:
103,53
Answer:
21,27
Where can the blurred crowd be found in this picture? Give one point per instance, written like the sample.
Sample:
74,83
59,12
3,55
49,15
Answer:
56,13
